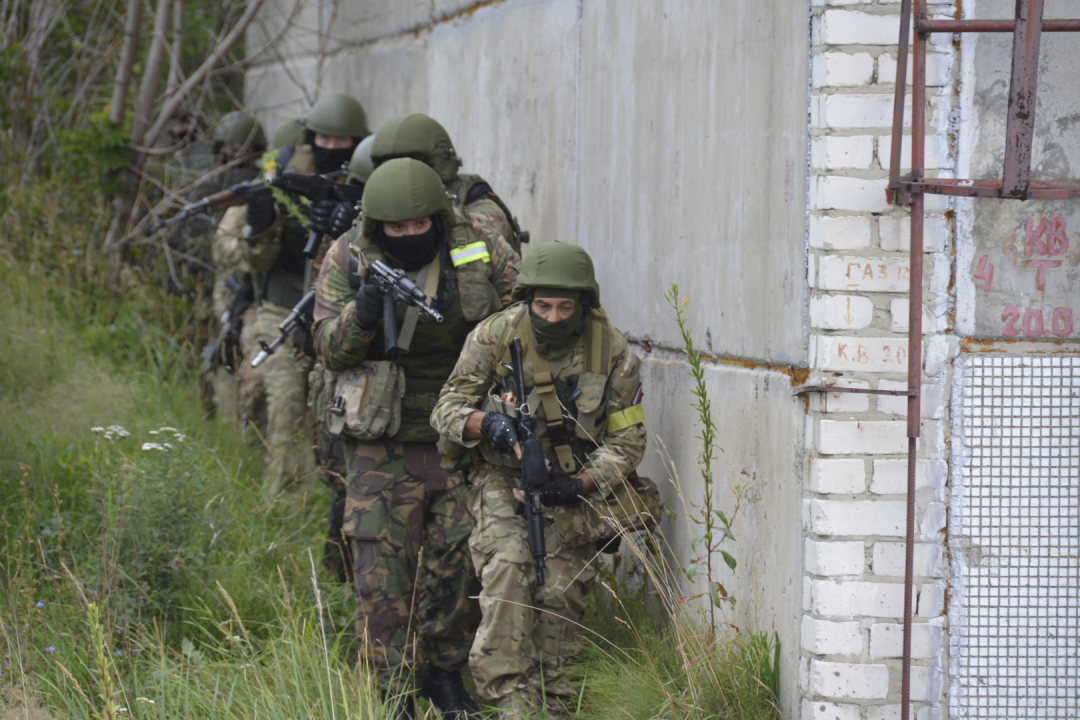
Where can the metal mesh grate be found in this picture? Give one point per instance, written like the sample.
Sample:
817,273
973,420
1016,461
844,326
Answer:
1014,533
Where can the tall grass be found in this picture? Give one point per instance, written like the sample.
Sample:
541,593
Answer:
142,575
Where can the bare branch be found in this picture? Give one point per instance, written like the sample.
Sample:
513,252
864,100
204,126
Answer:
172,103
152,75
176,55
127,62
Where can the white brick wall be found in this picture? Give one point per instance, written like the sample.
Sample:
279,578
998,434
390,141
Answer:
830,476
858,272
835,558
849,680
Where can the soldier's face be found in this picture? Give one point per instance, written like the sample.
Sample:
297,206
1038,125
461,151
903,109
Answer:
553,309
332,142
407,227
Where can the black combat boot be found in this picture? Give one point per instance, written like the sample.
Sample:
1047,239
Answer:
447,692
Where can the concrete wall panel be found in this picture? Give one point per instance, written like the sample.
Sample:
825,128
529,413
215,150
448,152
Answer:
692,164
504,83
759,432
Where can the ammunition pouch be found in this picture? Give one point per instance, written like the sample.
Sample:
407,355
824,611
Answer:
362,403
634,506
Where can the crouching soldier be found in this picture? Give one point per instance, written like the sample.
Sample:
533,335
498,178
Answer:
404,519
583,386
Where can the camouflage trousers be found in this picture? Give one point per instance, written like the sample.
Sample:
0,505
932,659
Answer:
337,554
274,396
409,532
526,638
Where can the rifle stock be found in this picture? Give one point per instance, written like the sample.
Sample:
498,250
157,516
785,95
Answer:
299,314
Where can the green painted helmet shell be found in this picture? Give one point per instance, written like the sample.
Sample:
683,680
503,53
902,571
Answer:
338,115
404,189
241,129
419,137
291,134
361,165
557,265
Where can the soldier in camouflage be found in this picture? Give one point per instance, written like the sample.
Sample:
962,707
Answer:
238,140
403,516
264,239
337,554
525,641
420,137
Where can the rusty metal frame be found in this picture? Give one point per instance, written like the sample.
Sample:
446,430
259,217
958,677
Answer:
1027,28
911,189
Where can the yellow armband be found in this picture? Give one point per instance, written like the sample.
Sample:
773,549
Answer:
633,415
470,253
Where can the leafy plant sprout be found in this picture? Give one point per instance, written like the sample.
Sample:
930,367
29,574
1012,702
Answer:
716,524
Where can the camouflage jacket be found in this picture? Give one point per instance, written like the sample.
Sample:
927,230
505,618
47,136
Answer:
606,450
341,343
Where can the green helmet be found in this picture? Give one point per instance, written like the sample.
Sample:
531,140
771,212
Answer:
338,115
241,129
290,134
557,265
404,189
360,166
419,137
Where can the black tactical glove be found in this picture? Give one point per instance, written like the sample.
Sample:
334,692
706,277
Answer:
499,431
260,210
331,217
562,490
369,305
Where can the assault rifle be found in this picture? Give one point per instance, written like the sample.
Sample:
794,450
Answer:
397,286
316,188
224,349
301,315
534,472
313,187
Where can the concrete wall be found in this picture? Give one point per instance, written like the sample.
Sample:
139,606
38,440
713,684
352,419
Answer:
667,138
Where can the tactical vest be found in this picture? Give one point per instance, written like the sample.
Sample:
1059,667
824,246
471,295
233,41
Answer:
459,279
467,189
578,403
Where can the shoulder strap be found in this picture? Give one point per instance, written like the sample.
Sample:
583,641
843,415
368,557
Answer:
544,382
428,280
519,326
598,343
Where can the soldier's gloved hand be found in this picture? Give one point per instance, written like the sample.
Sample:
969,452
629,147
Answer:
562,490
499,430
331,217
369,305
260,210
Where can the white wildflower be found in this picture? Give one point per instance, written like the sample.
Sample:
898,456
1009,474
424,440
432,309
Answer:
97,429
115,431
154,432
147,447
166,428
144,700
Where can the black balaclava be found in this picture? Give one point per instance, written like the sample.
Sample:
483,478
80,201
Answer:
411,251
327,161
